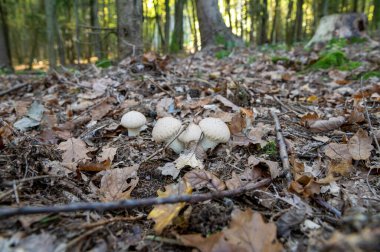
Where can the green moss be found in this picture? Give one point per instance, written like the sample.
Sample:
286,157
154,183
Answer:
276,59
270,148
103,63
370,74
336,59
222,54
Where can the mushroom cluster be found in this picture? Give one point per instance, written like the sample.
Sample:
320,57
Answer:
209,133
214,131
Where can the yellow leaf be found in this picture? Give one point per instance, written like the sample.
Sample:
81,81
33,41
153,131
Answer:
163,215
312,99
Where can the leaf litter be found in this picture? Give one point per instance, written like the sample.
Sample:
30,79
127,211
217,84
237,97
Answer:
69,127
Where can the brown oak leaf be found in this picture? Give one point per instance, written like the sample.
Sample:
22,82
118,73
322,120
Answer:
199,179
360,145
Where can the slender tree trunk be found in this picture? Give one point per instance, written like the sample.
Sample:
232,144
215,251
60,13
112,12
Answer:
355,5
288,25
5,56
376,14
130,17
77,31
228,11
61,46
177,37
50,30
95,32
211,24
299,20
277,13
167,25
263,22
158,22
253,19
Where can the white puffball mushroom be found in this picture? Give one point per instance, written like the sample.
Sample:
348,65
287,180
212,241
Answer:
134,121
215,131
192,133
166,130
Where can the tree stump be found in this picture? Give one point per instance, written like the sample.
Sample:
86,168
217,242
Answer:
351,25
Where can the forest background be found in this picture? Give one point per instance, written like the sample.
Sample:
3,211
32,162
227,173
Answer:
36,33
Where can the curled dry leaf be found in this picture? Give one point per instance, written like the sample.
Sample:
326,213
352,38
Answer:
250,175
356,116
241,122
326,125
163,215
75,151
117,184
305,186
199,179
360,145
213,243
274,167
341,159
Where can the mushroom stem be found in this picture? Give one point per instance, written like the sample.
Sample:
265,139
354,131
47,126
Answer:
208,144
133,132
176,145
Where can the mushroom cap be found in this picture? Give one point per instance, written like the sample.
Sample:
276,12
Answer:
192,133
133,120
215,129
166,128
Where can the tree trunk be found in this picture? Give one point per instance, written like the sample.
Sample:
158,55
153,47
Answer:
276,18
50,30
253,19
130,17
95,32
212,26
157,16
263,22
376,14
355,5
177,37
77,31
299,20
288,27
167,25
5,59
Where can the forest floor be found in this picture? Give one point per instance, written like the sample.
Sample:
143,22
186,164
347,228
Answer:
61,142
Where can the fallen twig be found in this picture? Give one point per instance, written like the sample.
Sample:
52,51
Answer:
327,206
282,146
124,204
14,88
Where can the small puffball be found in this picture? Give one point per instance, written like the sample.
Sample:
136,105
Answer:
215,131
134,121
166,130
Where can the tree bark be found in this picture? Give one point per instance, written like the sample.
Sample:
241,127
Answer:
50,30
376,14
77,31
263,22
177,37
167,25
95,33
130,17
299,20
212,26
5,59
276,19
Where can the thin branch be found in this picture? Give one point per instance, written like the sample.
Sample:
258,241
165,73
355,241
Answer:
282,146
16,87
318,199
126,204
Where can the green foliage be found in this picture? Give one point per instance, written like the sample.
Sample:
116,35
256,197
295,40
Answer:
270,148
368,75
336,44
276,59
336,59
251,59
103,63
221,54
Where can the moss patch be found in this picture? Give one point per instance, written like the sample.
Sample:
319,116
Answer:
336,60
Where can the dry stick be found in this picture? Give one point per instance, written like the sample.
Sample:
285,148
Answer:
371,133
17,87
286,106
282,146
327,206
126,204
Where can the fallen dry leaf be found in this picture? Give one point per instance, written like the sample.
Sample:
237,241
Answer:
101,110
356,116
95,167
274,167
170,170
107,153
163,215
213,243
117,184
199,179
189,159
241,122
338,151
75,151
360,145
305,185
248,232
326,125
